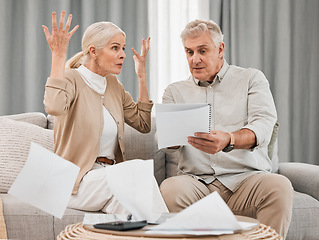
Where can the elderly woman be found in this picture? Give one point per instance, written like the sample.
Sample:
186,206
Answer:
90,106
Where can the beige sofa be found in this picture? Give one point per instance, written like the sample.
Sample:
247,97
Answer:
26,222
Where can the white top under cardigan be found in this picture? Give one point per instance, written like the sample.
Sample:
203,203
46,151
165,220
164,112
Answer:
108,140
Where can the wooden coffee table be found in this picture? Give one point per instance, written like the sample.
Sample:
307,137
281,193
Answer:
78,231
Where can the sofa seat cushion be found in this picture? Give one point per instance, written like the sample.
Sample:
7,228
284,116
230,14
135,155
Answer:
305,221
70,216
19,216
15,138
24,220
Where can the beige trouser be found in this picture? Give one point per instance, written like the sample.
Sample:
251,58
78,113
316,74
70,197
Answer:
94,193
264,196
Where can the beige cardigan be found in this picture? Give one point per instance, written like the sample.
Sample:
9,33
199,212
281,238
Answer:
78,122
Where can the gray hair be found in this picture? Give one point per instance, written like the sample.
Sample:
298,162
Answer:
196,27
98,34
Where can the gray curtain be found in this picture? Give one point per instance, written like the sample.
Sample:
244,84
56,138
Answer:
25,58
281,38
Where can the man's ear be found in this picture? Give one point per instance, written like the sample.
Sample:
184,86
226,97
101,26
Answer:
221,49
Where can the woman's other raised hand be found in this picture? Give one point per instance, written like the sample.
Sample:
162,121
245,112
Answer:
140,69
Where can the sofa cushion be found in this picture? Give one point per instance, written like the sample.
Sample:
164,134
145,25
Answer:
19,216
24,220
15,138
304,221
35,118
50,119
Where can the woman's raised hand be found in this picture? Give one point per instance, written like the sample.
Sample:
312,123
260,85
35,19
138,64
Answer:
140,69
58,43
140,59
59,40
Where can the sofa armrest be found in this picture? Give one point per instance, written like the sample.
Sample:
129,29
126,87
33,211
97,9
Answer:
304,177
36,118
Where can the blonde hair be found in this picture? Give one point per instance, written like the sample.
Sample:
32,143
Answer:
98,34
196,27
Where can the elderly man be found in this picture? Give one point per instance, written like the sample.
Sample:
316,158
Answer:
232,159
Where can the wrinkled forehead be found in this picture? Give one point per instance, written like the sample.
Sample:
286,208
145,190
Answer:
198,40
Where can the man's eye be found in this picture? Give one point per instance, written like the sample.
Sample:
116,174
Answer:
190,52
202,51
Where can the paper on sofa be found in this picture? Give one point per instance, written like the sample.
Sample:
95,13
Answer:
46,181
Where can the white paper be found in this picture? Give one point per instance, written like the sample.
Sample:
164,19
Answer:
244,226
95,218
175,122
46,181
134,186
209,216
247,225
190,232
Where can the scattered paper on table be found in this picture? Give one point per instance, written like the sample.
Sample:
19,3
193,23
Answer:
208,216
46,181
190,232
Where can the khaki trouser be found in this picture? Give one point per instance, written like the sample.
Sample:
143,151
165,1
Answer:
264,196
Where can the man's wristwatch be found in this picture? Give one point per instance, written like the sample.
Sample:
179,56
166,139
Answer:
231,144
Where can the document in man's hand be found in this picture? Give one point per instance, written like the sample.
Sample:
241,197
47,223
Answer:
175,122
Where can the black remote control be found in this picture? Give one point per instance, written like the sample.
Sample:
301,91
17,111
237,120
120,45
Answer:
121,225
